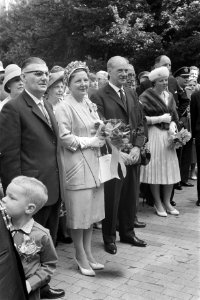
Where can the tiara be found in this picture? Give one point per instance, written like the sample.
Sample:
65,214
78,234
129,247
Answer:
73,66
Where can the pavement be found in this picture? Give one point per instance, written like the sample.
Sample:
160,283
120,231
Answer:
168,268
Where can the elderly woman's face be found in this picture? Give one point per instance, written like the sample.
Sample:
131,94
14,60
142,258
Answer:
56,90
79,85
161,83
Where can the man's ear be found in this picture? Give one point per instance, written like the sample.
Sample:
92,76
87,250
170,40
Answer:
23,77
30,209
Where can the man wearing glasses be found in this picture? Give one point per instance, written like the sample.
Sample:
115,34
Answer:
29,145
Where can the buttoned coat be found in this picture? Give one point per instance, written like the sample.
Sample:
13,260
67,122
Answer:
110,106
80,166
29,146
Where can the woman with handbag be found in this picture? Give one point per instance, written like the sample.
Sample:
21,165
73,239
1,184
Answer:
163,169
80,151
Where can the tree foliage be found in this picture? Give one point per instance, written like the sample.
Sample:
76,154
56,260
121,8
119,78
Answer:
63,30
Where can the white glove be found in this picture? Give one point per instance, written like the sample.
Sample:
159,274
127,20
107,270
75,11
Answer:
173,127
166,118
93,142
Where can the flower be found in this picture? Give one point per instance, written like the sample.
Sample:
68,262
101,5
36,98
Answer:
116,132
179,139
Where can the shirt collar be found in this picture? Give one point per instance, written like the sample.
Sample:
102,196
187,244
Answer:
36,100
116,88
26,228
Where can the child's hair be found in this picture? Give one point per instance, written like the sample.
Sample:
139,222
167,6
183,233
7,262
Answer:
34,190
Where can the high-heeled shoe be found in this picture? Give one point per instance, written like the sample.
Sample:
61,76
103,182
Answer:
174,212
160,213
96,266
86,272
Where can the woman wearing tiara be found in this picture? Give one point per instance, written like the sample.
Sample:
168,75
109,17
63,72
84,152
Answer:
84,195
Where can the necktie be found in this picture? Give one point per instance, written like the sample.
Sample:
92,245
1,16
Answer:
45,113
123,98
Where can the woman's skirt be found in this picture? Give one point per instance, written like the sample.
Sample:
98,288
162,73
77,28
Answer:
84,207
163,167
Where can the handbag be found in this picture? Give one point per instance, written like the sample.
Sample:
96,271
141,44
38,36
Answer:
145,155
104,168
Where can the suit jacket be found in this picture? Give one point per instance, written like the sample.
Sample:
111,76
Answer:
12,279
28,145
80,167
195,114
110,106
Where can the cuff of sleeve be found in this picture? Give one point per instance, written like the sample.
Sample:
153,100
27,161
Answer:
28,286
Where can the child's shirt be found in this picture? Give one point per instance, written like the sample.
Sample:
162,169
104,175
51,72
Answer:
38,255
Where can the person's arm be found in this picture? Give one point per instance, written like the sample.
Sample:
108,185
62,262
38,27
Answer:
10,143
69,140
48,260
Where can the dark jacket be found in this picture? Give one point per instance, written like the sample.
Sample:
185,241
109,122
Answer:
12,279
195,114
28,145
110,106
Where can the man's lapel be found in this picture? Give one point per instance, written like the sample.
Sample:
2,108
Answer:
35,109
114,96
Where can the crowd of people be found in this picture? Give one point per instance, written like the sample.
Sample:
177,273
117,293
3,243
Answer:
51,152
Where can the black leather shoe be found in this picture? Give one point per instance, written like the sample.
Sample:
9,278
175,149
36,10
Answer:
133,240
138,224
198,203
52,293
178,186
110,248
187,184
173,203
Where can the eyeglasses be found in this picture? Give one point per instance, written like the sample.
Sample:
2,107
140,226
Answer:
38,73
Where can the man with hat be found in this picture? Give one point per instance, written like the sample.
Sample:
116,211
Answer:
12,83
184,153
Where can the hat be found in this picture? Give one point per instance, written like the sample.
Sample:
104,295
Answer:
158,73
11,71
55,77
143,74
184,71
72,67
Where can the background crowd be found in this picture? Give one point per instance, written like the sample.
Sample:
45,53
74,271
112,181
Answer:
48,129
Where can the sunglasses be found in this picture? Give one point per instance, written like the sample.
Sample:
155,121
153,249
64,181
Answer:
38,73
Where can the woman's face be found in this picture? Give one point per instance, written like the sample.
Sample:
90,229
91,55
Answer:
161,84
79,85
15,86
56,91
94,84
192,84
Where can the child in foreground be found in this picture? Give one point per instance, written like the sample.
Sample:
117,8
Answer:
24,197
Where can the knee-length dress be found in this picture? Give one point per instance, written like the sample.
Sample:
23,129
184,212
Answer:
163,167
83,195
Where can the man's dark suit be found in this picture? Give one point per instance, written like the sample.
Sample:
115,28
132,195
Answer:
12,279
29,147
121,196
195,124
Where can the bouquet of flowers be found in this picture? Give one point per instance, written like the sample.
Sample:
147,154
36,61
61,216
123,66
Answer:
178,139
116,133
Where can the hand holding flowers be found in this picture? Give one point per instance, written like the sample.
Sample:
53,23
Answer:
178,139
